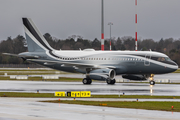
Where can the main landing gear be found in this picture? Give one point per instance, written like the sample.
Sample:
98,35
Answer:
152,82
87,81
111,82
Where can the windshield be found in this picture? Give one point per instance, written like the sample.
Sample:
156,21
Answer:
161,58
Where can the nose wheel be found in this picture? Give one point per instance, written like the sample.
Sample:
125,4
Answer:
152,82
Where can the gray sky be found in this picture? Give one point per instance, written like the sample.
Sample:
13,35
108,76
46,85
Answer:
61,18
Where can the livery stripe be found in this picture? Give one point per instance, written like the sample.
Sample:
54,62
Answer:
33,32
28,25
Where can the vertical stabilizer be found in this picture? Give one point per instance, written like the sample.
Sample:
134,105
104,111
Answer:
35,40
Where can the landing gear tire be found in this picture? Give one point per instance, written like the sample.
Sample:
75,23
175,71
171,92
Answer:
111,82
152,82
86,81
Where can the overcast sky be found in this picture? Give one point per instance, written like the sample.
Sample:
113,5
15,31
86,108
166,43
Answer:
61,18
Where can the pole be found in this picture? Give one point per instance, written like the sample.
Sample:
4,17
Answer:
110,23
110,37
136,25
102,25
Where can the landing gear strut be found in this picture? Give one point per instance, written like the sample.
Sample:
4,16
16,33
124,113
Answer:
111,82
87,81
152,82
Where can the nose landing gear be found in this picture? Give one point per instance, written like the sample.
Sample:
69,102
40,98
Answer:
152,82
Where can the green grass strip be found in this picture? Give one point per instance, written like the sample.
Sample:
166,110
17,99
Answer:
163,106
51,95
136,96
29,95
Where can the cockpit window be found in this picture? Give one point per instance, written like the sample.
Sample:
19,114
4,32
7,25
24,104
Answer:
168,59
161,58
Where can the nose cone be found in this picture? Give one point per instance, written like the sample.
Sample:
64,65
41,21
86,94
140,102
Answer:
175,67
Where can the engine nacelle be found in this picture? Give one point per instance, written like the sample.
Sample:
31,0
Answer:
135,77
101,74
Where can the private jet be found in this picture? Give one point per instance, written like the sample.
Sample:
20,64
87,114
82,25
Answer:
96,65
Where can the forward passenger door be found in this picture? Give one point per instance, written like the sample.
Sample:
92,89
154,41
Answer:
147,60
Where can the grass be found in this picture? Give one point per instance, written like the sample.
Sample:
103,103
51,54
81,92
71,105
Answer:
163,106
177,71
29,95
152,105
136,96
51,95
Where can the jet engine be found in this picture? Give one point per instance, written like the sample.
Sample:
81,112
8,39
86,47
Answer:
135,77
101,74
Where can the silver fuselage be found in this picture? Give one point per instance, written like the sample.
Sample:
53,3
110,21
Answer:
123,62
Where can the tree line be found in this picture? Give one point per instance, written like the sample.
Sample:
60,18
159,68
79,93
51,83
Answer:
170,46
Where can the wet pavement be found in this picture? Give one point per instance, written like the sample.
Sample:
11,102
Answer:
30,109
173,77
95,87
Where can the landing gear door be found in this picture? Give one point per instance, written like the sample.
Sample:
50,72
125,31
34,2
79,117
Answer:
147,60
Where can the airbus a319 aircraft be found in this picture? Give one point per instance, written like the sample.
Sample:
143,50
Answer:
97,65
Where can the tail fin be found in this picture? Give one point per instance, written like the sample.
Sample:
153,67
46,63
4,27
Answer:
35,40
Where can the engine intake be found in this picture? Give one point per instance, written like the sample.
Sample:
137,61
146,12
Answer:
101,74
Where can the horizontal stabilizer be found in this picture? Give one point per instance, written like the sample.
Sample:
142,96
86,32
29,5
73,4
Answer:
21,56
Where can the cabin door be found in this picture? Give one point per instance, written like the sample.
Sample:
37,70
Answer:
147,60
